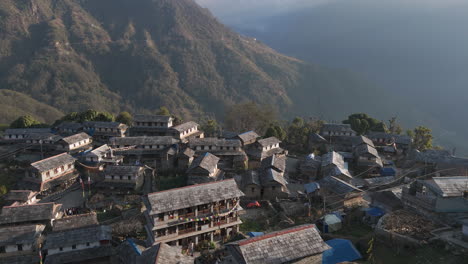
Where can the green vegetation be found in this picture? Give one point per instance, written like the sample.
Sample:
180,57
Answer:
124,118
362,123
422,138
88,115
26,122
163,111
275,130
166,182
210,127
249,225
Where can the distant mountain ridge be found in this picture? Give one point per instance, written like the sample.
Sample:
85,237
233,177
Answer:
138,55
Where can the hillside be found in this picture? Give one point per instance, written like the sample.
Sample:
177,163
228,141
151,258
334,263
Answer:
138,55
14,104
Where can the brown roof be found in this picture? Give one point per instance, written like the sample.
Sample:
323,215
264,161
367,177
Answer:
75,221
279,247
193,195
27,213
53,162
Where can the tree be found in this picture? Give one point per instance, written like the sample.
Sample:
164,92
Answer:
210,127
394,127
163,111
104,117
422,139
275,130
26,121
363,123
124,118
250,116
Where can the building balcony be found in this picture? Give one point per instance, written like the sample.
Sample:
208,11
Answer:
186,230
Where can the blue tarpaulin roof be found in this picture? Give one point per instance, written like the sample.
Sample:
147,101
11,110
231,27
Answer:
311,187
387,172
375,211
255,234
341,250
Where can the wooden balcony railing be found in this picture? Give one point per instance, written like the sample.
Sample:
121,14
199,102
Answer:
186,230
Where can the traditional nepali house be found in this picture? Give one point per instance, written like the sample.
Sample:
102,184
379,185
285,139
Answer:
309,168
69,128
442,198
367,158
122,179
163,254
20,197
337,130
103,155
300,244
185,158
388,201
399,143
229,151
41,213
103,131
263,149
247,138
338,193
204,169
75,143
75,221
429,160
264,184
196,213
43,142
51,174
316,142
81,245
21,134
151,125
153,151
18,244
333,164
186,131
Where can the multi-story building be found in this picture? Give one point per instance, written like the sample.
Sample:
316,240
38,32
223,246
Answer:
103,131
19,244
122,178
151,125
229,151
41,213
104,155
23,133
187,130
20,197
204,169
80,141
337,130
195,213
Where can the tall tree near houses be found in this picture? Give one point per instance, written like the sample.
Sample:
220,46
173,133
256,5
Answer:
250,116
163,111
422,138
124,118
394,127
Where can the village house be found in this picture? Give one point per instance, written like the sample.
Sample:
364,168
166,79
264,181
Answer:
300,244
47,174
264,184
185,159
161,253
81,245
247,138
20,243
337,130
333,164
366,157
338,193
229,151
187,130
20,197
103,155
77,142
23,133
75,221
309,168
316,142
153,151
204,169
443,198
122,179
196,213
400,143
263,149
45,139
69,128
51,173
151,125
388,201
40,213
103,131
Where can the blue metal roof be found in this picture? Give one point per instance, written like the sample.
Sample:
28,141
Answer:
311,187
341,250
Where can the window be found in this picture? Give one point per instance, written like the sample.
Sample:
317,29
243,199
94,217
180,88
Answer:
112,177
20,247
2,249
129,177
61,248
63,168
55,170
69,165
121,177
253,189
73,246
47,173
273,188
87,244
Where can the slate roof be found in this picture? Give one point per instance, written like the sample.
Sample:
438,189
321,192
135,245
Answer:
205,161
248,136
339,171
337,128
100,151
25,131
193,195
122,170
275,161
22,234
99,124
164,254
448,186
399,139
338,186
388,198
364,140
379,180
20,195
152,118
76,138
251,177
270,175
70,126
185,126
43,136
268,141
316,138
76,236
75,221
25,258
53,162
210,141
284,246
27,213
81,256
334,158
364,149
188,152
144,141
